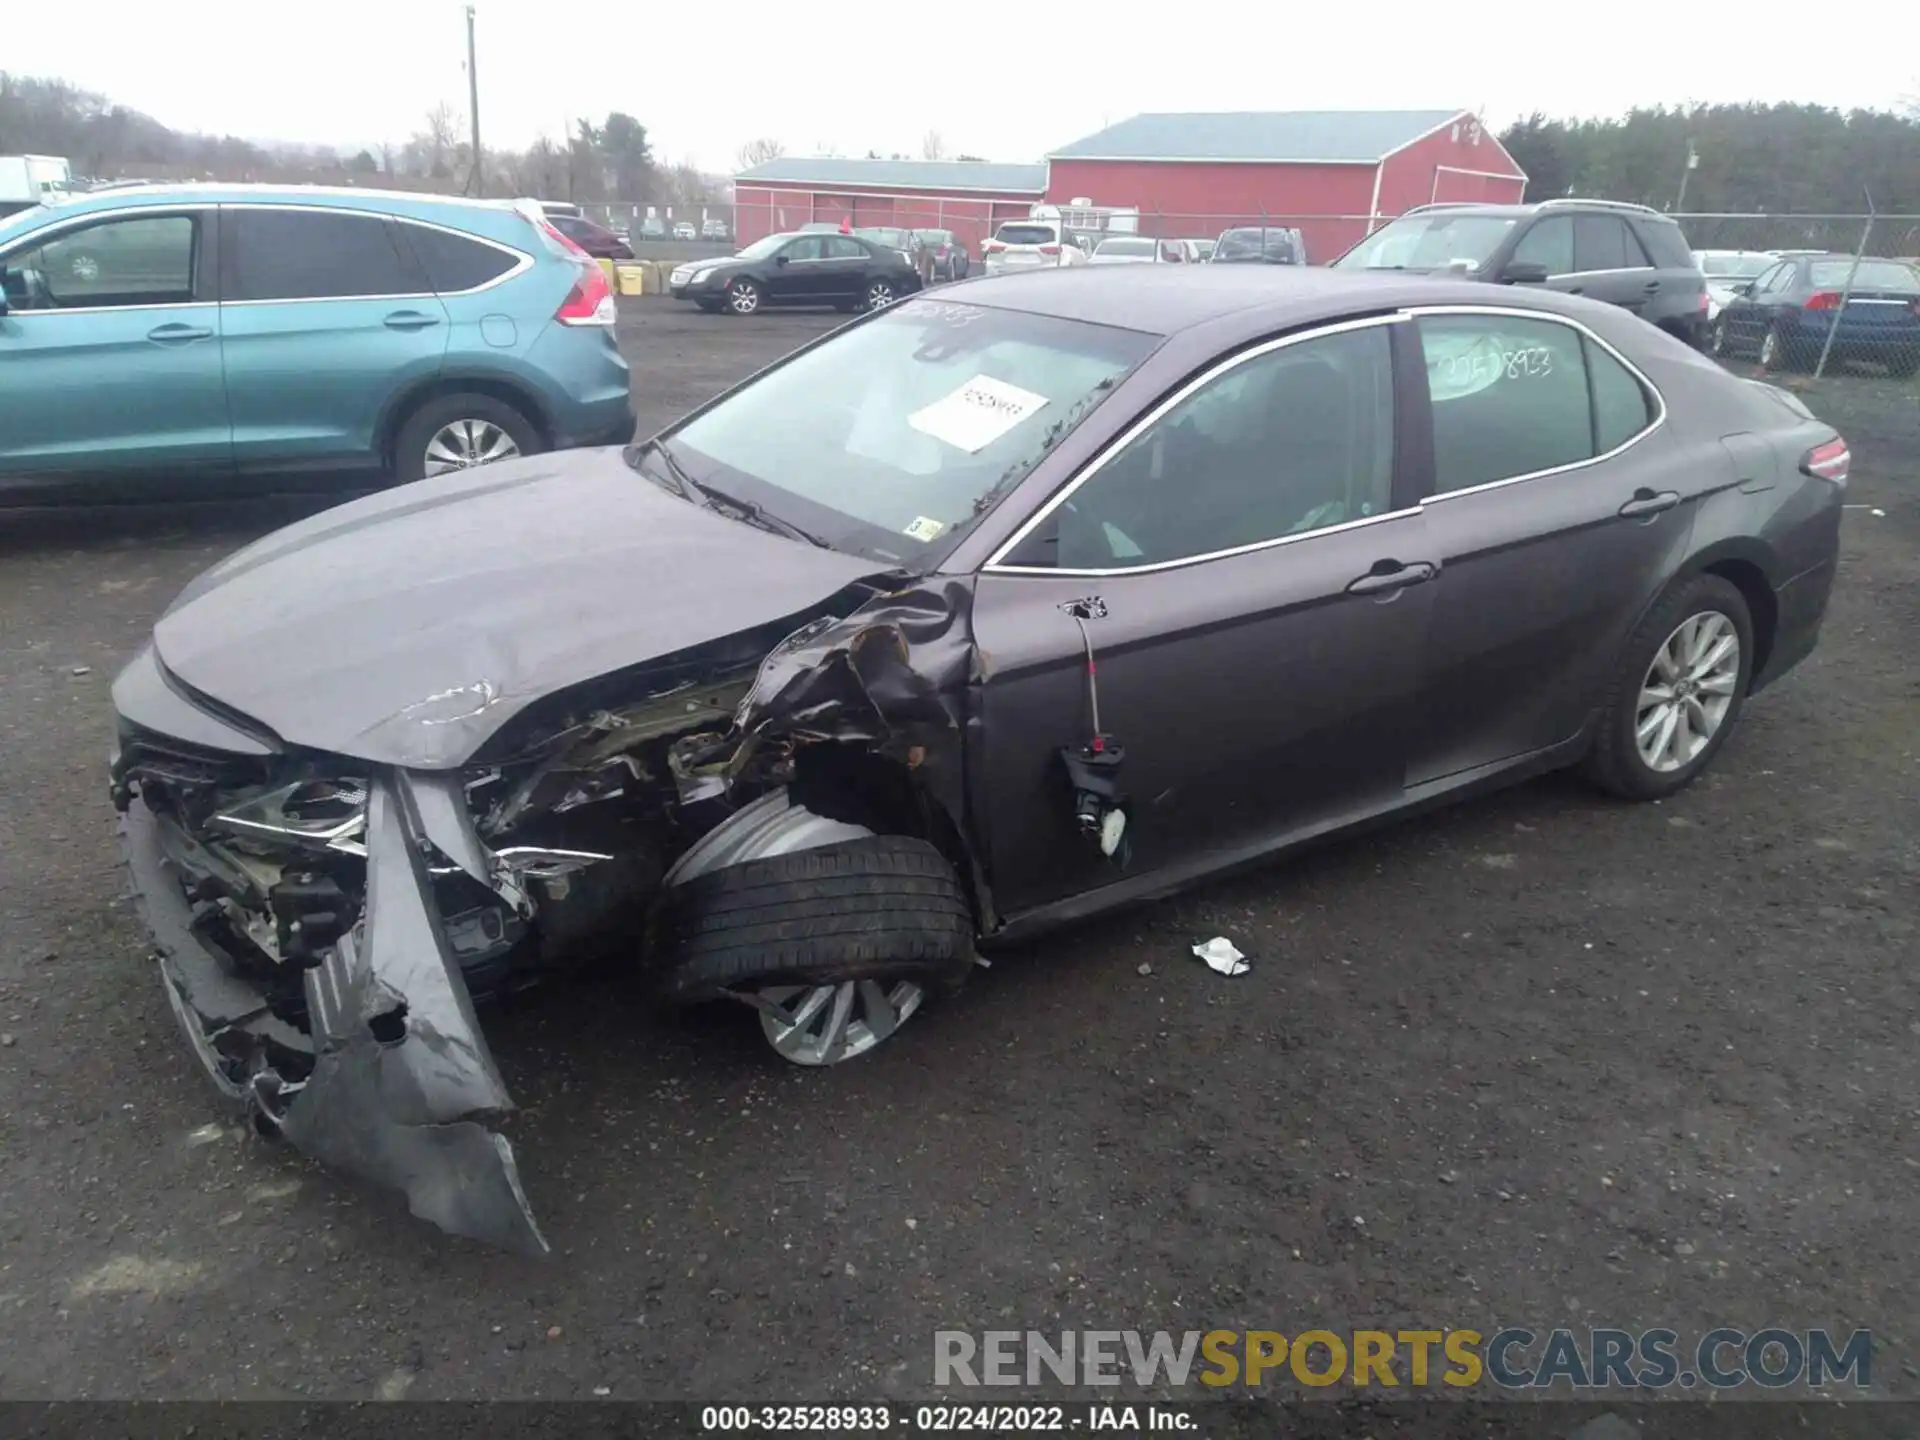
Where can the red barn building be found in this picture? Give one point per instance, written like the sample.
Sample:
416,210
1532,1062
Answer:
1332,173
968,197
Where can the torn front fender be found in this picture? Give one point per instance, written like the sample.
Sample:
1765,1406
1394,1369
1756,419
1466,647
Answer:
403,1081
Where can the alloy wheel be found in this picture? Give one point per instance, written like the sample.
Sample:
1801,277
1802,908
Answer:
1687,692
828,1024
879,295
1770,351
743,299
1718,343
462,444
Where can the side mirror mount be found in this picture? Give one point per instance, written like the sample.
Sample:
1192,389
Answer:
1745,287
780,259
1524,272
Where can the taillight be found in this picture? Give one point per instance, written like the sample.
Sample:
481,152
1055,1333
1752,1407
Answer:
1828,462
992,247
1824,300
1705,302
590,301
1049,249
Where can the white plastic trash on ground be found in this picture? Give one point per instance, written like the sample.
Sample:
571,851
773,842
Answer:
1221,954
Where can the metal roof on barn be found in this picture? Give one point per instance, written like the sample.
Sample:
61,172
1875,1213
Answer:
1343,137
945,176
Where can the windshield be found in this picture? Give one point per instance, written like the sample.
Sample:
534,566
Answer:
1428,242
897,433
1872,275
896,238
1255,242
1735,267
1125,247
761,249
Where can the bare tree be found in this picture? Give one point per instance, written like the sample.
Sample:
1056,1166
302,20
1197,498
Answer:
932,147
758,152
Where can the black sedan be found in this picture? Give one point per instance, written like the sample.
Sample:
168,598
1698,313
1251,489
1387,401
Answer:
796,703
1784,315
847,272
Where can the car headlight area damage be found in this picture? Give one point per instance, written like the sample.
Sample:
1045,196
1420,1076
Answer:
325,919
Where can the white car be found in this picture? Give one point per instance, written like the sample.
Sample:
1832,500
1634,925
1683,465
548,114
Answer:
1144,250
1725,269
1030,245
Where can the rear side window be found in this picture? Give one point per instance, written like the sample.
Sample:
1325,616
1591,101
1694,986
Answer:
1602,242
1621,409
1665,245
453,263
1871,275
1025,235
1514,397
313,255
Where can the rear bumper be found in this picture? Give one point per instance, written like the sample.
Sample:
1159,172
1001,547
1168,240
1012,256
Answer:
615,429
1801,607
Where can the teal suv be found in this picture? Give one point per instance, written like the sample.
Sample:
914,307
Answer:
217,333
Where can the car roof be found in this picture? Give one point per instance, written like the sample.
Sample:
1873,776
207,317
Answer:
217,192
1164,300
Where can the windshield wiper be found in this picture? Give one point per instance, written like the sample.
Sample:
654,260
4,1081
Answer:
753,514
682,485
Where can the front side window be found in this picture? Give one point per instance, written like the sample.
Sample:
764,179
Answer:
1513,396
1285,443
898,433
1548,243
289,254
141,260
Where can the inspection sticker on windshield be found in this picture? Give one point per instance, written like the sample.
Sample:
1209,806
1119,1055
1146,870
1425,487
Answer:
924,530
977,414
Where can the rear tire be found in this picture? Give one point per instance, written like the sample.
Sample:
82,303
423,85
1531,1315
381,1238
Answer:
1637,754
1776,355
1719,344
454,432
878,294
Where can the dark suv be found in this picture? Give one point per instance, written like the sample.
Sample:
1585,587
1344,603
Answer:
1627,255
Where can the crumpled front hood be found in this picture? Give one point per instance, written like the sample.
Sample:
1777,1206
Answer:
407,627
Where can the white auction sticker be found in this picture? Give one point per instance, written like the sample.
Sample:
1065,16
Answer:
925,530
977,414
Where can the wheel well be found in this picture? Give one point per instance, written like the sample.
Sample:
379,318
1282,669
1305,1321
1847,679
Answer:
1748,579
504,391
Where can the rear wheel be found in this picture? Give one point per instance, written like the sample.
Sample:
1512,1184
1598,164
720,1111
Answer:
1718,343
878,295
1678,692
1775,353
457,432
743,296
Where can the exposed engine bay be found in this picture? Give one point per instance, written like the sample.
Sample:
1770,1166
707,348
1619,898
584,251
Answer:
325,924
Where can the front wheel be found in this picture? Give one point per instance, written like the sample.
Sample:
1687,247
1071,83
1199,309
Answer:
458,432
743,296
1677,693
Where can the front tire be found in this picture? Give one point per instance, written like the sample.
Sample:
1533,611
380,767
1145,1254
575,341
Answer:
1678,692
743,297
458,432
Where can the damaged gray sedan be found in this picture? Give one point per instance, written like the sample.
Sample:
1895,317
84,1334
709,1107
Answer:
983,613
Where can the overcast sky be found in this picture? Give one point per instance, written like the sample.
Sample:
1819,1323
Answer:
704,79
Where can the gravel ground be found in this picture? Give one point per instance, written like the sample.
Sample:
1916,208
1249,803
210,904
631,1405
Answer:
1542,1059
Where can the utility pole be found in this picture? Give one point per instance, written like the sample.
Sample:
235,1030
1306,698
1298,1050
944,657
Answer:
478,180
1693,164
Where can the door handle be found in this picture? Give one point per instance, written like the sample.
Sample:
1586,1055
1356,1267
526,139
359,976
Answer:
178,334
1645,502
1388,575
1652,285
409,320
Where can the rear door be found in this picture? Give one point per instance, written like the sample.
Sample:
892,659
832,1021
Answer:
1260,597
1608,264
1745,318
844,266
1560,504
326,314
110,348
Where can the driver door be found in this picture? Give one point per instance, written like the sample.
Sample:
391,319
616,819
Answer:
1259,555
798,275
110,349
